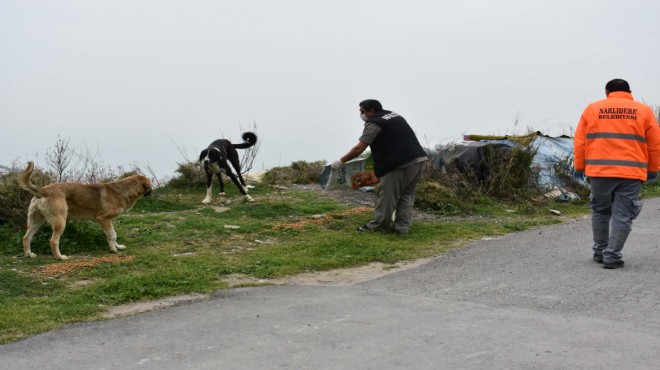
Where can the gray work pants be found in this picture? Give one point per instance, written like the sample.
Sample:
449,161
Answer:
396,193
614,204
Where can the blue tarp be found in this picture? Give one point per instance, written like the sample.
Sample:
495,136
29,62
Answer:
551,152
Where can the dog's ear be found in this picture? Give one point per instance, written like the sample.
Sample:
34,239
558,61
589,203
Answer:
203,154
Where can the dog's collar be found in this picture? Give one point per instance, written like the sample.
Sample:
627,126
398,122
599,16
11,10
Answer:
216,148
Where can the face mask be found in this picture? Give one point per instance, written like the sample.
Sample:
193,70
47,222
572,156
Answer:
363,117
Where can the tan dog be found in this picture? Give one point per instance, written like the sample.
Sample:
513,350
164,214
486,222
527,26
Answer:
102,203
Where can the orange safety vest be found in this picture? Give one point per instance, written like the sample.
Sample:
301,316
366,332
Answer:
617,137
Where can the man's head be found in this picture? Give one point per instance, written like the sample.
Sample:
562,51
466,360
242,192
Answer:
617,85
368,108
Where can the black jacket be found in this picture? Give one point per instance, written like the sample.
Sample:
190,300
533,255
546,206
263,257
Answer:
395,145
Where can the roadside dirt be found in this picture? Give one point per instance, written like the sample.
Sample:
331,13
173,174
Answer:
338,277
135,308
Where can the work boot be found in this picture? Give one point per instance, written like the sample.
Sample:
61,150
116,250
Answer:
613,265
612,254
598,258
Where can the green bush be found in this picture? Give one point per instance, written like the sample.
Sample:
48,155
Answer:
14,200
191,175
510,174
504,175
433,196
300,172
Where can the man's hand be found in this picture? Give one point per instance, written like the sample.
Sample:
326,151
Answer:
578,175
336,164
651,176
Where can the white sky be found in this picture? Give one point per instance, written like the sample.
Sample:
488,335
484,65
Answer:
142,81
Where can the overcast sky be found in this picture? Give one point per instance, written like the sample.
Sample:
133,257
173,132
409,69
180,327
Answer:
154,82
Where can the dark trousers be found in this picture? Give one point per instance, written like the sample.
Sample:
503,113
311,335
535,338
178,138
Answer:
614,204
396,196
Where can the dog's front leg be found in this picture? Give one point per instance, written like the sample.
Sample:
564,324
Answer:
111,236
209,185
248,198
240,183
243,189
207,200
221,183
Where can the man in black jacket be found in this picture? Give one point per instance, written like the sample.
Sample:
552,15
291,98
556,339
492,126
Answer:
398,163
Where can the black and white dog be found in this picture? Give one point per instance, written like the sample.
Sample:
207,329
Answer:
216,161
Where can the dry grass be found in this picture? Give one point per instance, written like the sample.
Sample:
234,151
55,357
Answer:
59,269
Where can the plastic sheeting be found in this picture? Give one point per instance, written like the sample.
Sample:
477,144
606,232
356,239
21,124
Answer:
550,153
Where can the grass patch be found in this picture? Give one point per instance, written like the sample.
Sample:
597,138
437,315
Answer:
178,246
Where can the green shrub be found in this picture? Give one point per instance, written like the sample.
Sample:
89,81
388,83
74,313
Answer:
14,200
300,172
433,196
191,175
307,172
503,174
510,174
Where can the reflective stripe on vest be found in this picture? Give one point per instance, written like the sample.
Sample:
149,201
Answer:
605,162
612,135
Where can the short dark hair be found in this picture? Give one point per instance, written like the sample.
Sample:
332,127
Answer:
370,104
617,84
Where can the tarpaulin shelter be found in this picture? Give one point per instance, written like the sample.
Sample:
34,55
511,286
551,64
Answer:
550,153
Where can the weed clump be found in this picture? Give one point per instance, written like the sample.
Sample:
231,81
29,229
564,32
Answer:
300,172
15,200
503,174
433,196
191,175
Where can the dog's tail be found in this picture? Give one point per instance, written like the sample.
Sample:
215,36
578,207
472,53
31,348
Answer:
249,139
26,184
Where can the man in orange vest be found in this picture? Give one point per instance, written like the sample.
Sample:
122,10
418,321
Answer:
617,145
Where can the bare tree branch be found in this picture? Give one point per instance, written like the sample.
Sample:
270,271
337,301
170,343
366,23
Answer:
249,154
59,157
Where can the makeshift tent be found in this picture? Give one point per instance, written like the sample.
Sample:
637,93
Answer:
550,152
473,156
